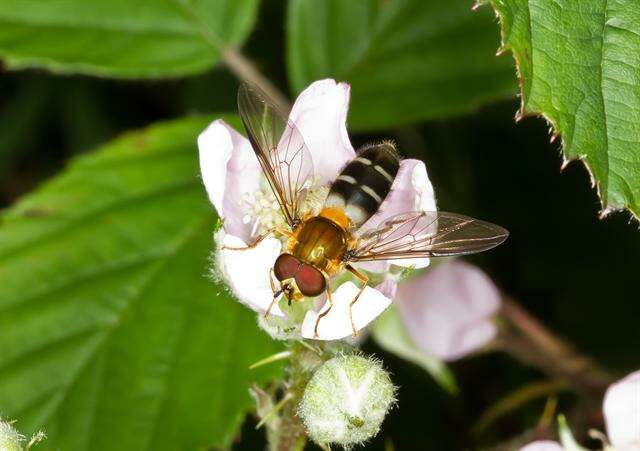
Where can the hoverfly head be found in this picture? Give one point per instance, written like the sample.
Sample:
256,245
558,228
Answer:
298,279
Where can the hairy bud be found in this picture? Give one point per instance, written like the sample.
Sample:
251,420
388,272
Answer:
346,401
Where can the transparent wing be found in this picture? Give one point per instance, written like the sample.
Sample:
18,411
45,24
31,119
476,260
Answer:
427,234
281,151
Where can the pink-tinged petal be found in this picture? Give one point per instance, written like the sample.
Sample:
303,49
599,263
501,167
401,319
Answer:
388,288
336,324
376,266
320,114
243,176
215,147
411,191
229,170
622,412
247,272
448,312
542,445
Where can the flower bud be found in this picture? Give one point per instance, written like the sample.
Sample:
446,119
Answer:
346,401
10,439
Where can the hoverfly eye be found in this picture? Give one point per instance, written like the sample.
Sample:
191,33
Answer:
286,267
310,281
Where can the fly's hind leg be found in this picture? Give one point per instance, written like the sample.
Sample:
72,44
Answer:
259,239
323,314
365,280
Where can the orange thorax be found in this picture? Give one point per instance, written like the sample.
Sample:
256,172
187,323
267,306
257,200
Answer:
321,240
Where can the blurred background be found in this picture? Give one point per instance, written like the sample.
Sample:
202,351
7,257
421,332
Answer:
572,270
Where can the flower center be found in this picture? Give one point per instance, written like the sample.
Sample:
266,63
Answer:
263,211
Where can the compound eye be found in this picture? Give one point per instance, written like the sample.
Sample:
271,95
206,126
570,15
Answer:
310,281
286,267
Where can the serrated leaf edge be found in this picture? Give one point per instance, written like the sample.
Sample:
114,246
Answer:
522,113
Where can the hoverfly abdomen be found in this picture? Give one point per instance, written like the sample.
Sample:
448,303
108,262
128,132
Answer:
365,182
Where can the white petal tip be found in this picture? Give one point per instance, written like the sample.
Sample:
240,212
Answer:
336,324
621,408
248,271
414,263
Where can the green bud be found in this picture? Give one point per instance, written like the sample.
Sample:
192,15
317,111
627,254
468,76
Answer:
346,401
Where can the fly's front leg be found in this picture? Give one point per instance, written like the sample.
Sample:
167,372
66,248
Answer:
275,293
323,314
259,239
365,280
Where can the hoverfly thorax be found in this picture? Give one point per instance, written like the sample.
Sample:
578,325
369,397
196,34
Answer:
320,242
320,246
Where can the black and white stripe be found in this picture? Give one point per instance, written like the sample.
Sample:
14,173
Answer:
365,181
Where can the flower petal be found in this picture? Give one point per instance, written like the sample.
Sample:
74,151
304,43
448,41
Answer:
229,170
215,146
388,288
542,445
320,114
247,271
411,191
337,324
448,311
622,412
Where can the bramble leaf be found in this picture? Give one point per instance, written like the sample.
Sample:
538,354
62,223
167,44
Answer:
112,334
579,67
406,60
120,38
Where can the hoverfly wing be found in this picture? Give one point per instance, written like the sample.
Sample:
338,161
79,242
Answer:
280,148
427,234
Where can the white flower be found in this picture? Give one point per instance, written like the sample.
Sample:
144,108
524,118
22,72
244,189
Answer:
237,189
621,407
448,312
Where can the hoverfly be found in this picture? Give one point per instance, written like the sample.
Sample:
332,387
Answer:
321,246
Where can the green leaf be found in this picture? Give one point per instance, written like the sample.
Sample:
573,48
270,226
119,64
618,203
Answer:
120,38
390,334
112,334
579,67
406,60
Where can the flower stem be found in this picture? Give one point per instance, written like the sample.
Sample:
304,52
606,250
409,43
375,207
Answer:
291,435
244,69
529,341
235,61
516,400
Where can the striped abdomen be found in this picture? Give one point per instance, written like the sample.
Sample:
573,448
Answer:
365,182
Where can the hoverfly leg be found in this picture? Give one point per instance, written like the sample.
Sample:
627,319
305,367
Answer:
276,293
249,246
259,239
323,314
273,285
365,280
